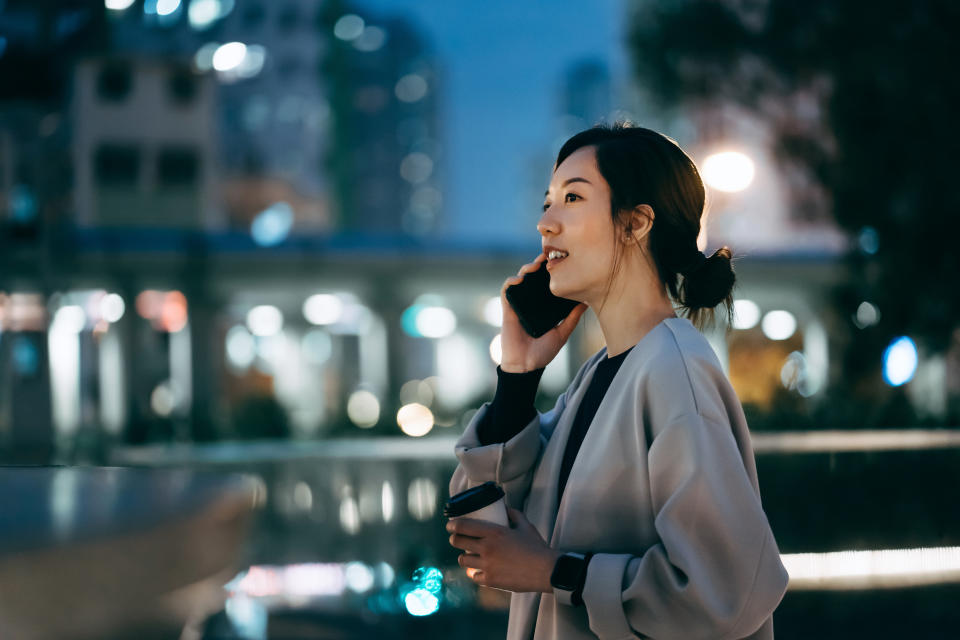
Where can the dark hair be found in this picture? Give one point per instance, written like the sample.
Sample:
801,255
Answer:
645,167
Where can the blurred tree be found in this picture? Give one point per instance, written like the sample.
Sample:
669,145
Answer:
860,99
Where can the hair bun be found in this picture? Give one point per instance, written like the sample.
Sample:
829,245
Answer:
710,282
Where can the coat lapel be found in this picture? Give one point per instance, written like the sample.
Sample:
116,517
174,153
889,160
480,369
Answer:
541,508
618,387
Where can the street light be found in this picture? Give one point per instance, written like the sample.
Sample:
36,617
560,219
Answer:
728,171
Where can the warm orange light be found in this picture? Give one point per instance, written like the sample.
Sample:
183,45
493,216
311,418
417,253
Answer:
173,314
149,303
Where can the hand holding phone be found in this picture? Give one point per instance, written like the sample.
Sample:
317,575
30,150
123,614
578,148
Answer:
531,337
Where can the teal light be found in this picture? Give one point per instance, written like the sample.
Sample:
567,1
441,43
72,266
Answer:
429,578
421,602
408,321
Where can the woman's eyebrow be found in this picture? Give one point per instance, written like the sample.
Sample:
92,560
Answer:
547,192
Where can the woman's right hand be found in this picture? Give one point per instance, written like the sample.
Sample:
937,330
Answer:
520,351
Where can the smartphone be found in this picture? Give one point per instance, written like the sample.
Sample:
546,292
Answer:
537,308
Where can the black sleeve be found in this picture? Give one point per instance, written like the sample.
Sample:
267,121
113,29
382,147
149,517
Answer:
512,406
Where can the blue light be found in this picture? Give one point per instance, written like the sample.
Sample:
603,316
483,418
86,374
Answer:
272,225
248,617
429,578
23,206
869,240
408,321
26,360
421,602
899,361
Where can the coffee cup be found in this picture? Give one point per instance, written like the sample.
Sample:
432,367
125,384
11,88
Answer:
482,502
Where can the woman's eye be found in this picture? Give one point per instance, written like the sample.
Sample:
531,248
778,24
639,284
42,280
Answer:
546,205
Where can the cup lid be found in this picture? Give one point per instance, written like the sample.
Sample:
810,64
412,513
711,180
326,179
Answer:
472,499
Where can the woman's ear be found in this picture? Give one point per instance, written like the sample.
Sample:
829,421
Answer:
639,223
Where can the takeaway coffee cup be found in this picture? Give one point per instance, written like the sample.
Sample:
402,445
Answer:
483,502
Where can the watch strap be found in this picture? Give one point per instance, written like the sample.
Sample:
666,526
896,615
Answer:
572,597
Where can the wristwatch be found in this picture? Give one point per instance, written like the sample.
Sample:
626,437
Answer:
568,577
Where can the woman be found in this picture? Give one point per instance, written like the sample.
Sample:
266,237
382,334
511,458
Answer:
634,503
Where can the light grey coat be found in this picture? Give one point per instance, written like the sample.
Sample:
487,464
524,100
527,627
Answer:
663,490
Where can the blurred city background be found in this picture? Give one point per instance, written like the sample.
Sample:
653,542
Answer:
268,237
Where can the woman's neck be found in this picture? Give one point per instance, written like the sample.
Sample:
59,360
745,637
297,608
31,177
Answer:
637,302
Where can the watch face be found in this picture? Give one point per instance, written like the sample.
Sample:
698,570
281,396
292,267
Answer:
566,574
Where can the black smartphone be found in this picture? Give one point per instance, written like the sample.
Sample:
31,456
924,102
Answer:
537,308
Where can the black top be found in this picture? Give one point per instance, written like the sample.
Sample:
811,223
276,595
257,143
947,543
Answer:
512,409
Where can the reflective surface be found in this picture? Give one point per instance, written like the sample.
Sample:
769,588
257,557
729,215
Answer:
117,553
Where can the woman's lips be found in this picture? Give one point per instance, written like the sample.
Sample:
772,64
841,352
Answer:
553,262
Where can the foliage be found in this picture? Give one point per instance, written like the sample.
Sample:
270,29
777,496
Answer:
860,98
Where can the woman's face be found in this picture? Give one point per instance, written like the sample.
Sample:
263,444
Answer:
576,219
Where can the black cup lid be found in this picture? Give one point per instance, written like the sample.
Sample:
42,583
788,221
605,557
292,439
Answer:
472,499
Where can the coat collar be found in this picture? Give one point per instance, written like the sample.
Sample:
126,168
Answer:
542,508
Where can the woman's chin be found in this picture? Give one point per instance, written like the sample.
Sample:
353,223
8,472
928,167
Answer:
563,292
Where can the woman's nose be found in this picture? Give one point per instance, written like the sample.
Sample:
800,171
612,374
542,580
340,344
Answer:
546,224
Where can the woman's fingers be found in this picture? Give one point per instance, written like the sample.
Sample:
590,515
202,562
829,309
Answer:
569,323
532,266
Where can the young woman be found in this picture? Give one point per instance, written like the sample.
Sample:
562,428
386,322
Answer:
634,503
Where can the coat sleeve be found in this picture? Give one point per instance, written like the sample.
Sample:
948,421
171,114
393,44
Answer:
510,464
716,571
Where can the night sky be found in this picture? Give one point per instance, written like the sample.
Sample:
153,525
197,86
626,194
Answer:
502,64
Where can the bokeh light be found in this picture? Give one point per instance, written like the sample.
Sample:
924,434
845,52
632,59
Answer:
229,56
415,419
435,322
900,361
112,307
348,27
69,319
746,314
429,578
363,409
493,312
411,88
387,501
272,225
867,315
322,309
173,312
359,577
496,353
421,602
264,320
317,347
203,13
118,5
241,347
728,171
779,324
422,498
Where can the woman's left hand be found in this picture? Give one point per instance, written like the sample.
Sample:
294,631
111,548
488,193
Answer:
514,558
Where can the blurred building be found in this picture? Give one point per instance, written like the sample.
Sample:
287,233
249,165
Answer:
387,149
271,111
144,145
587,93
